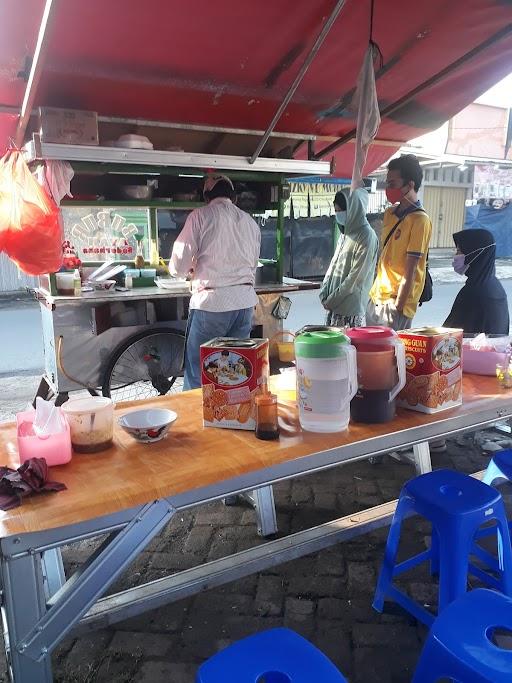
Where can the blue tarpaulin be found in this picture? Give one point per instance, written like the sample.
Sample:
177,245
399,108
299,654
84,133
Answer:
497,221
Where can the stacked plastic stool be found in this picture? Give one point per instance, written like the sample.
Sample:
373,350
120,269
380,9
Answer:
457,505
500,467
275,656
462,644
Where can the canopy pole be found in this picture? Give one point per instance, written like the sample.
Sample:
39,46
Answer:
426,84
298,78
36,71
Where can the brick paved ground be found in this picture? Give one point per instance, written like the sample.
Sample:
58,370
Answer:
326,597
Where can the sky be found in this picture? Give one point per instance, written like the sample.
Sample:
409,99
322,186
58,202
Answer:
499,95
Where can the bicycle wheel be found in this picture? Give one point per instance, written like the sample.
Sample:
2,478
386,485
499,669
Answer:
145,365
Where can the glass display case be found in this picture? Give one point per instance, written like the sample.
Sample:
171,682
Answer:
106,233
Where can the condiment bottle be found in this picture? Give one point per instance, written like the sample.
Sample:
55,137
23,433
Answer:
267,426
139,256
77,283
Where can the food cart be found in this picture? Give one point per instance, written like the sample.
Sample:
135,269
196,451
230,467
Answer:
237,66
129,344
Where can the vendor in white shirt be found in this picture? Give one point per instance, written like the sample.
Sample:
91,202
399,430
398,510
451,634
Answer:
219,245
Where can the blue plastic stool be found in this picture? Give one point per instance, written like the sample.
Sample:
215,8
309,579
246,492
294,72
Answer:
275,656
500,467
457,505
459,644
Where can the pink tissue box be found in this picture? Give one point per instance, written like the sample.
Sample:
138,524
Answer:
55,449
482,362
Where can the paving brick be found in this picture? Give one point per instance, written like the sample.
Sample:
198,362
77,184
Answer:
361,578
389,635
171,562
304,518
379,664
360,610
326,500
117,669
366,488
219,514
315,586
139,644
371,664
304,626
335,644
424,593
270,596
224,542
331,608
166,672
167,619
302,494
213,602
198,540
367,500
297,608
86,653
331,562
245,586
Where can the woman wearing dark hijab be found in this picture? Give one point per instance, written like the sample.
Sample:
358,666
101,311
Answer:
481,305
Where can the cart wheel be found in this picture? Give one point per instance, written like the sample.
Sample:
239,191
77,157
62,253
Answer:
145,365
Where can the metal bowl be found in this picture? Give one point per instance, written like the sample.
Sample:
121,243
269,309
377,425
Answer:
141,192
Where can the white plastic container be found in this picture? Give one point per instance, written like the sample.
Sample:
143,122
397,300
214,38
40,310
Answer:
65,283
326,380
91,421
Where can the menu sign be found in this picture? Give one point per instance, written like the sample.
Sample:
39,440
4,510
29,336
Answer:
106,234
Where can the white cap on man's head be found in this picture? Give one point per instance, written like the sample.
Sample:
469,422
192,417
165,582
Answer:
212,179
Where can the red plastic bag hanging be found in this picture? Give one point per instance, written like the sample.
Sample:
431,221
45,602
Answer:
30,230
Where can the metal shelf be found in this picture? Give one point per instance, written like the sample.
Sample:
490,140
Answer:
135,204
35,150
152,204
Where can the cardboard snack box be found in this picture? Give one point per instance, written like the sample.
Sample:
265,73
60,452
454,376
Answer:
433,359
232,374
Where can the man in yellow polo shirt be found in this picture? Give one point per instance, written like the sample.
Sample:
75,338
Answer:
405,239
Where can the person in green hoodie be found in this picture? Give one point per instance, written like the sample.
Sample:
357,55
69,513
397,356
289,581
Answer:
346,286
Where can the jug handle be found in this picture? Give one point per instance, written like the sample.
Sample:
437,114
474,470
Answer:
402,376
353,382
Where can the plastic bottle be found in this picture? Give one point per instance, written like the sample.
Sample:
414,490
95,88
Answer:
139,256
77,283
267,426
326,380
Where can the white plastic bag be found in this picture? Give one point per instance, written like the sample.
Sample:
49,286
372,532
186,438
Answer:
58,176
484,343
48,419
368,115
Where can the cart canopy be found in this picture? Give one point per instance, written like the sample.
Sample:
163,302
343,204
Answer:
231,63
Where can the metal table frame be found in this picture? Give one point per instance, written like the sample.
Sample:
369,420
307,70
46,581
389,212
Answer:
40,607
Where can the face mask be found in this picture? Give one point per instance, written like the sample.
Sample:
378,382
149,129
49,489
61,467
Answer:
459,260
459,264
341,217
395,195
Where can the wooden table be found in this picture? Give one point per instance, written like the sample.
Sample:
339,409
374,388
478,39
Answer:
132,490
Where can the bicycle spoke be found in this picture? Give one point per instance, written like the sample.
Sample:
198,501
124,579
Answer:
149,362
